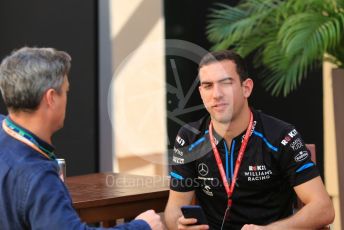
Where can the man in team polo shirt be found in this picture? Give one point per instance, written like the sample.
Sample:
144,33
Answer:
242,165
34,85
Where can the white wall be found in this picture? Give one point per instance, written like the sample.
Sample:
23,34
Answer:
138,85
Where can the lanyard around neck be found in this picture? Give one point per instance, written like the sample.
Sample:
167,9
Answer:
17,133
229,190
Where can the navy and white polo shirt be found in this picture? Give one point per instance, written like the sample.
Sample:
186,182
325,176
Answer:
276,159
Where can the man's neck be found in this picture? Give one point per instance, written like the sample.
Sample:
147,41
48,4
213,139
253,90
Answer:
237,125
33,123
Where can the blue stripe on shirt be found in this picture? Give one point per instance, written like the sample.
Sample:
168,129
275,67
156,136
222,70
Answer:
199,141
227,167
305,166
176,175
266,141
232,158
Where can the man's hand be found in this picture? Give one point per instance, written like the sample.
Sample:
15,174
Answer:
185,224
253,227
152,219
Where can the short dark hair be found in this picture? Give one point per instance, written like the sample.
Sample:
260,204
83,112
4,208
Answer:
231,55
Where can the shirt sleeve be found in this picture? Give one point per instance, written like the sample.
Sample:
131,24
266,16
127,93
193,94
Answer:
47,205
295,159
182,164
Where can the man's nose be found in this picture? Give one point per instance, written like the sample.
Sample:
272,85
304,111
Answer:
217,91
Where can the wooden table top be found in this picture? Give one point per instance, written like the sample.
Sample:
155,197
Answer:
101,189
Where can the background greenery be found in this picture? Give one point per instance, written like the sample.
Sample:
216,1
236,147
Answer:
289,37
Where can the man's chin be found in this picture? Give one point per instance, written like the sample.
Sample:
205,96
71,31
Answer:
222,120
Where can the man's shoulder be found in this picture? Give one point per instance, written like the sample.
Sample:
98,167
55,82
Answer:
271,122
21,160
2,117
274,129
34,167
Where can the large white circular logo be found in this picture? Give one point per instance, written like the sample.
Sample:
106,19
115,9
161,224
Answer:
135,110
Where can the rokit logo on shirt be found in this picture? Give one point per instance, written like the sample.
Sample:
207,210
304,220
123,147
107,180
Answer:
256,168
257,173
290,136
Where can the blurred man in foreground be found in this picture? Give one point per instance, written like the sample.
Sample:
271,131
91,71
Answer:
34,85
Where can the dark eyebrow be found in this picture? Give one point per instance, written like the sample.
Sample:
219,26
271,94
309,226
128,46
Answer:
206,82
219,81
226,79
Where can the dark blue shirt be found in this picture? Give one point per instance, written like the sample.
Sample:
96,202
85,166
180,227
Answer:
32,196
275,161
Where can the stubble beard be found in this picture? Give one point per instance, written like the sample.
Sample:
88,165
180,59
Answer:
223,119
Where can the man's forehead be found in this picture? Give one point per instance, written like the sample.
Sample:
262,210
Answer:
222,68
216,76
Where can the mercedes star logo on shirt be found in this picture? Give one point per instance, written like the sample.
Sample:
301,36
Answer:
203,169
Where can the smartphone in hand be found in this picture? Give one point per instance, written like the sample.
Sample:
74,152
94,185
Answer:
196,212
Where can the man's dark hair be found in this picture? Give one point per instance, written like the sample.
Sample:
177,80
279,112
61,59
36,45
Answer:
231,55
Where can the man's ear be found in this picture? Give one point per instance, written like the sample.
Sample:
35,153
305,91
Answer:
49,97
247,87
